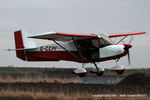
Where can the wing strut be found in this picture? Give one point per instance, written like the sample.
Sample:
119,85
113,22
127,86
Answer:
68,51
121,39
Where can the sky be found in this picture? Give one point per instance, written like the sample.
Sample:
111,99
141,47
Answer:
75,16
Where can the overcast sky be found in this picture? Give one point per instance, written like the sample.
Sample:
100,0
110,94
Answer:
76,16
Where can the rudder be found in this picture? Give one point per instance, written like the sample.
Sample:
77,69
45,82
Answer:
19,45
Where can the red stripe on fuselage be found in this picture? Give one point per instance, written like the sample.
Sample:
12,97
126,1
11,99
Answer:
63,55
52,55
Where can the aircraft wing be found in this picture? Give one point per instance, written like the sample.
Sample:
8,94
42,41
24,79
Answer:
59,36
125,34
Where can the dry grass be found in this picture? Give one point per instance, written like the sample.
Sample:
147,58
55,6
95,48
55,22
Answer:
40,95
44,96
10,79
21,95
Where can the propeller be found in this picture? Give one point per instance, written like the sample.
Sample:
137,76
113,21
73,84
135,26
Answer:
127,47
128,52
129,60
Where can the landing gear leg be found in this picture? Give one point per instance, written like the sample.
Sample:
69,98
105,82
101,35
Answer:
95,66
98,73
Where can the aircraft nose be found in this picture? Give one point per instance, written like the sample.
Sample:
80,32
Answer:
127,46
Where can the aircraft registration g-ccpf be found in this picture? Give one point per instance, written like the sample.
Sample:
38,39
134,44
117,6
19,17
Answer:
81,48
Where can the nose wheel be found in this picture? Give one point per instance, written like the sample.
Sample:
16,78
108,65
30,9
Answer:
119,69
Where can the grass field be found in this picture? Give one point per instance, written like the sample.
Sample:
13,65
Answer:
48,84
26,74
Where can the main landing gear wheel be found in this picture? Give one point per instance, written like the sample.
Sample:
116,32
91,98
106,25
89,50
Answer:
120,72
99,73
81,72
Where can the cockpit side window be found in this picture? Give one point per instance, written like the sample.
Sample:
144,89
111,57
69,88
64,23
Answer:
103,42
99,43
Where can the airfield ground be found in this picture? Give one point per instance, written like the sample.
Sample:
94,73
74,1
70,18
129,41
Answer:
49,84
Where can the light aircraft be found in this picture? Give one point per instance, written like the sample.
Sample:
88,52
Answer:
81,48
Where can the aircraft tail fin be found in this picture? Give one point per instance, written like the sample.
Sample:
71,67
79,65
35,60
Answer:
22,43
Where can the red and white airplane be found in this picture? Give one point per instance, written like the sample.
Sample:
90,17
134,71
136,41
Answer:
81,48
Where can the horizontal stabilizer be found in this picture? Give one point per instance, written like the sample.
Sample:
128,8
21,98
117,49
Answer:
20,49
